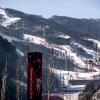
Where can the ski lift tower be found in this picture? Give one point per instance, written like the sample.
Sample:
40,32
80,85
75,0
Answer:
44,30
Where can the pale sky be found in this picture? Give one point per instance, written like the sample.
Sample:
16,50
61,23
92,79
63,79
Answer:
47,8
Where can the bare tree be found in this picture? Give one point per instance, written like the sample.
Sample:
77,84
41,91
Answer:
17,81
50,80
4,82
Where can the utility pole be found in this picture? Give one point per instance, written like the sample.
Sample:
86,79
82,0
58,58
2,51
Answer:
4,82
17,81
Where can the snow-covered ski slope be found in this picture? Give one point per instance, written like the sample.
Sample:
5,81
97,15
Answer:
67,50
71,75
78,60
6,20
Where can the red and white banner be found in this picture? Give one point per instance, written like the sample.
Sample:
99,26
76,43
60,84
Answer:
34,76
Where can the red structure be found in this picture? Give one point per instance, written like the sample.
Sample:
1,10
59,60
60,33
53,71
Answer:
34,76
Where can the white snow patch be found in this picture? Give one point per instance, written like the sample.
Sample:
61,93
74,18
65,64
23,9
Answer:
33,39
9,21
65,96
19,52
6,19
25,74
2,12
22,84
70,75
77,60
89,51
94,41
64,36
42,41
74,56
9,38
71,96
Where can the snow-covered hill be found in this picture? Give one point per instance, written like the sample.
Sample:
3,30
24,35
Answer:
27,33
5,20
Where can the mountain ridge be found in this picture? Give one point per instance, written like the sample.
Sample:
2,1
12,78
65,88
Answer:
69,45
